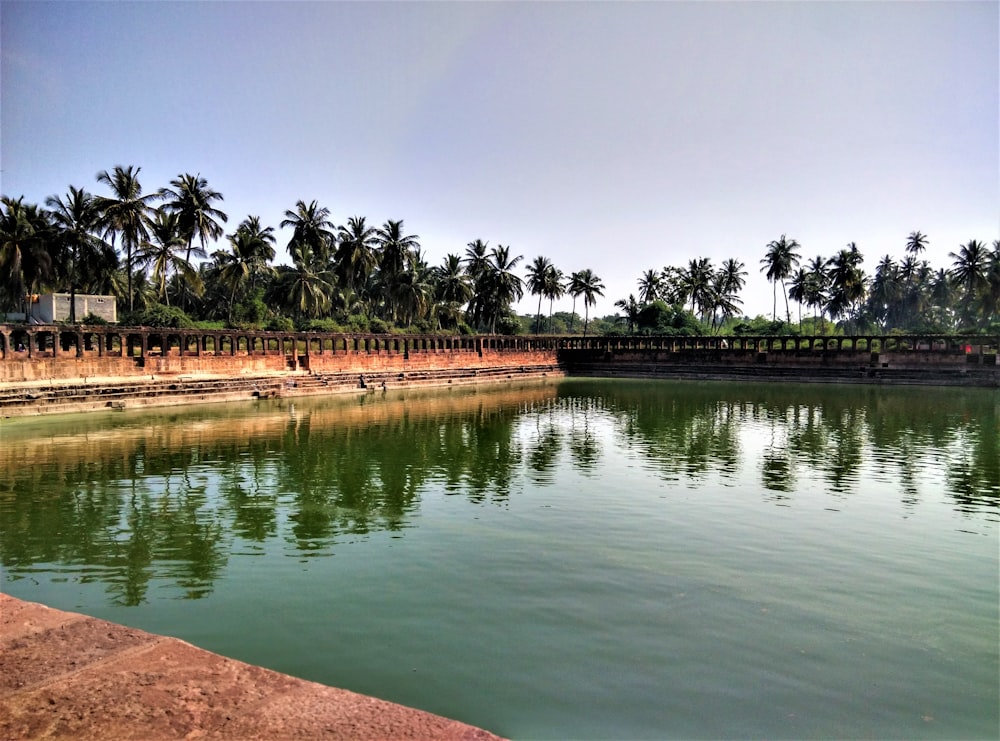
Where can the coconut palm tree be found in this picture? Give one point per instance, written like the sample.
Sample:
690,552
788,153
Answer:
162,253
969,267
251,248
396,256
78,219
573,284
845,284
631,309
817,283
916,243
126,214
554,289
942,298
476,267
452,289
25,260
538,273
312,229
413,291
886,290
698,279
355,259
501,284
191,199
780,260
650,285
798,289
588,285
306,287
991,295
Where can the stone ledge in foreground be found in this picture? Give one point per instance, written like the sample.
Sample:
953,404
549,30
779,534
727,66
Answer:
68,676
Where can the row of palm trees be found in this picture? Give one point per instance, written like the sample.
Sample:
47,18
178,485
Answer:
140,246
907,294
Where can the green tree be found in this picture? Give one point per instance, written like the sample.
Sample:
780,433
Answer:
126,214
969,271
25,258
452,290
356,257
916,243
630,308
305,288
191,199
780,260
78,219
501,285
251,248
162,252
588,285
312,230
537,282
477,267
554,289
650,285
845,282
396,258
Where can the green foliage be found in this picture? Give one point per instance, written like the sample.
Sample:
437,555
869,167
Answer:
378,326
159,315
250,310
357,324
761,325
660,319
93,319
320,325
509,324
280,324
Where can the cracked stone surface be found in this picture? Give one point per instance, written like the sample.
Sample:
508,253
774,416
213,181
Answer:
69,676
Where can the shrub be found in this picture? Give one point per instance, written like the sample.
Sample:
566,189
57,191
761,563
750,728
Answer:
320,325
159,315
280,324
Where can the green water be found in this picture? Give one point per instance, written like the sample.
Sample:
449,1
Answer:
576,559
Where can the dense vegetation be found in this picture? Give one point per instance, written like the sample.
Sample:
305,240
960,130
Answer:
150,250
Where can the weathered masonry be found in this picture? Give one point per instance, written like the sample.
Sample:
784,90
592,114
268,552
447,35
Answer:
44,352
52,352
964,360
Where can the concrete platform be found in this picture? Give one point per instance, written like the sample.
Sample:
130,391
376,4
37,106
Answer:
69,676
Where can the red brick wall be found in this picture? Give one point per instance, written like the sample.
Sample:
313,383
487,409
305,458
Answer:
15,370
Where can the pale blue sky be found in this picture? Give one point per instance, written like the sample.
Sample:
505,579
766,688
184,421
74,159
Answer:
613,136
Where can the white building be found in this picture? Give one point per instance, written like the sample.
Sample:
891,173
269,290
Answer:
54,307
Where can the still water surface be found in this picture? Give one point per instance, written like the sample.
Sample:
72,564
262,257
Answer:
574,559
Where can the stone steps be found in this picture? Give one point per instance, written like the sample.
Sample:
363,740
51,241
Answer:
125,393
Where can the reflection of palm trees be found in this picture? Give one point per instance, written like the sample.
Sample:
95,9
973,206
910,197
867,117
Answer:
348,469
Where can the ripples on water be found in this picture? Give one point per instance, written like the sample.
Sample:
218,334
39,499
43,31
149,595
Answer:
582,559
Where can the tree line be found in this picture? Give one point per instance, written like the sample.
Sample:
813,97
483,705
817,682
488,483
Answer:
905,294
151,251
